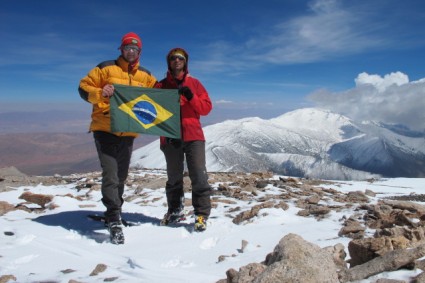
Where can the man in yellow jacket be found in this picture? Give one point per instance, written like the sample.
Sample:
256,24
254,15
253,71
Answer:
114,149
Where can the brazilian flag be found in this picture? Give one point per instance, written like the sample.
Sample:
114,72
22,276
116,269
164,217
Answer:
151,111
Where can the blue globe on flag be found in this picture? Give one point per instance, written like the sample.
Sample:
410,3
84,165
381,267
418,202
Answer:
145,112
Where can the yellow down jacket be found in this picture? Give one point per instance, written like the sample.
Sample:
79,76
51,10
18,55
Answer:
110,72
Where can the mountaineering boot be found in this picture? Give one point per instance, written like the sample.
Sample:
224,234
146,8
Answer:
116,233
172,217
200,223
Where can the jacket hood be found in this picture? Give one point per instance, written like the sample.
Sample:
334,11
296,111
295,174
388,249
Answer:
179,50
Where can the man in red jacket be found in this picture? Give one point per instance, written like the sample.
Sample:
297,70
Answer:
194,102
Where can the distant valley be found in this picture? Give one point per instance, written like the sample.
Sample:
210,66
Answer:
51,142
53,153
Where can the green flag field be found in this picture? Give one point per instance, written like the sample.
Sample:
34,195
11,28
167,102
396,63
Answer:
151,111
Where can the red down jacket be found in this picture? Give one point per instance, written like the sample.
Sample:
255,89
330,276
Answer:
190,111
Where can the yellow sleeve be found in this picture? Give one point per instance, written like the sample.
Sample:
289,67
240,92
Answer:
92,85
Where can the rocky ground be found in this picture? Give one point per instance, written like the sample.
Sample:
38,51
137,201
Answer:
398,223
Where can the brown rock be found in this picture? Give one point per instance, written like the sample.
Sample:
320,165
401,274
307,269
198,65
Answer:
7,278
314,199
98,269
296,258
364,250
39,199
420,278
420,264
338,254
5,207
352,229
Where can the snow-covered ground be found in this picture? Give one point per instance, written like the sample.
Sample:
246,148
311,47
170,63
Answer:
61,244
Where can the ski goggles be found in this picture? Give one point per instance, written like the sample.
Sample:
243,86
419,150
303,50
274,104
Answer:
175,57
131,48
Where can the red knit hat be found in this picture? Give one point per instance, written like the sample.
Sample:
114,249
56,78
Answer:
131,38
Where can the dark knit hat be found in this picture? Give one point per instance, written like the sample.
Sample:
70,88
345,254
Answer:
178,51
131,38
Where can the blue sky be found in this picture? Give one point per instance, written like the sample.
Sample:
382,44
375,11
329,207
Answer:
254,57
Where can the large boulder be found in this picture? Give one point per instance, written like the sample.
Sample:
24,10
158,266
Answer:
293,260
296,260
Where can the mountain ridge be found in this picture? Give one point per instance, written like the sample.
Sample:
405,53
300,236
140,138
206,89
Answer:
309,142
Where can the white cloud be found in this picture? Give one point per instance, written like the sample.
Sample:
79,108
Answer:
390,99
382,83
222,101
330,30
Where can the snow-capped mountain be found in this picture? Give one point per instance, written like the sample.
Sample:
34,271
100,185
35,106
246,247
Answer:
307,142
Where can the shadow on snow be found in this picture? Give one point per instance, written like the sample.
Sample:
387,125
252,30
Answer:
81,222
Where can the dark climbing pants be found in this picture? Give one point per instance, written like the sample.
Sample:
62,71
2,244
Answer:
194,152
114,154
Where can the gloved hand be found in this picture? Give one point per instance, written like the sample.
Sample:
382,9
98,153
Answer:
174,142
186,92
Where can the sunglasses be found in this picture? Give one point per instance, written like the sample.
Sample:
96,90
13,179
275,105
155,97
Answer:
131,48
175,57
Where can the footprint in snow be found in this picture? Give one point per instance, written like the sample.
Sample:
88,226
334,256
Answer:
177,262
209,243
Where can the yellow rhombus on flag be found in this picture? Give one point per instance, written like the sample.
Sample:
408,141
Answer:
150,111
131,109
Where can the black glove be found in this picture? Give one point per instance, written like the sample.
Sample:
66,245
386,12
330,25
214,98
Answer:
186,92
174,142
